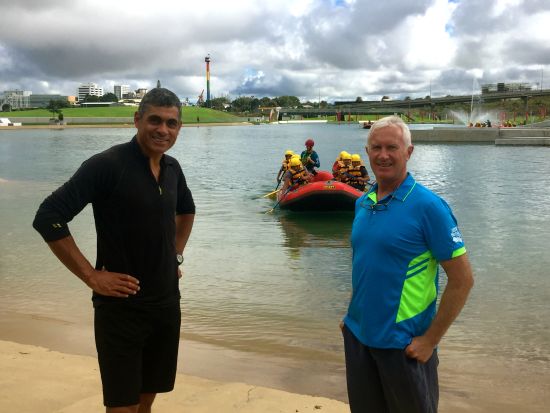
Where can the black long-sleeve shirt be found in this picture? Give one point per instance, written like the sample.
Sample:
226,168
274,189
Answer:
134,217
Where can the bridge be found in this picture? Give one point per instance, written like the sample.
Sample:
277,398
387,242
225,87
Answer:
390,107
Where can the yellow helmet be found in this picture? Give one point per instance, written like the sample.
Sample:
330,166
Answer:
289,153
346,157
355,157
342,154
295,161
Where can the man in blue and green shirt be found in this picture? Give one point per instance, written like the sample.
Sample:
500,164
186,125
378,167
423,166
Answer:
401,233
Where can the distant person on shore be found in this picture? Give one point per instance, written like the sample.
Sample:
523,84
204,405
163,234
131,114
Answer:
401,233
144,213
309,157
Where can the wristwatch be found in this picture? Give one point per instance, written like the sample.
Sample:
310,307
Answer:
179,258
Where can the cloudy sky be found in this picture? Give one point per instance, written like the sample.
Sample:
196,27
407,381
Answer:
332,49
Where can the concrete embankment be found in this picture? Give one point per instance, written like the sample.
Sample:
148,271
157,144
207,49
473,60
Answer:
97,122
496,136
75,120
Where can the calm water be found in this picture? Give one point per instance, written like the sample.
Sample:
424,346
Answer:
279,283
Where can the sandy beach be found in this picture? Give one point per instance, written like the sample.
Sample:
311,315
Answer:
58,372
41,380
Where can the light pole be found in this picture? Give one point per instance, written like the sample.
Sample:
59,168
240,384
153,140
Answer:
526,109
207,61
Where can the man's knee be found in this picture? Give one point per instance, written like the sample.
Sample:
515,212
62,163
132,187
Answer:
146,401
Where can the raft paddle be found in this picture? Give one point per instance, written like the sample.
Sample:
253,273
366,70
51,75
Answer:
276,188
271,193
279,201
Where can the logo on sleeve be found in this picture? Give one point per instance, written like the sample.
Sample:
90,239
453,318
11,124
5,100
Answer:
456,235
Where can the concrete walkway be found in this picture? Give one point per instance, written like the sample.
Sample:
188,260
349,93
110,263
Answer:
497,136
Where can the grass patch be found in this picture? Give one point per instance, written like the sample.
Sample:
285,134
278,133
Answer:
189,114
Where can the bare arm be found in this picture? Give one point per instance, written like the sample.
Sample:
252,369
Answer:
460,282
184,225
103,282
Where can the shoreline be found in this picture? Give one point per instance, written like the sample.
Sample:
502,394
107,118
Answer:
116,125
74,387
469,382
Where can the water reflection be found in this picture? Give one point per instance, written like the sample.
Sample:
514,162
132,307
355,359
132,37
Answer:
315,230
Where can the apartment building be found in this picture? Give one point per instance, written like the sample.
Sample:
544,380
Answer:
121,91
89,89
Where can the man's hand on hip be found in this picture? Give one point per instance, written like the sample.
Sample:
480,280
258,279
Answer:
113,284
420,349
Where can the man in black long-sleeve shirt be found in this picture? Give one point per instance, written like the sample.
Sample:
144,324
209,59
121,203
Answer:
143,212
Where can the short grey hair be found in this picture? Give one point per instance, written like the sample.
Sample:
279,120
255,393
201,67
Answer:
392,121
159,96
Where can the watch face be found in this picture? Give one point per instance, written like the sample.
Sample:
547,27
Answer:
179,257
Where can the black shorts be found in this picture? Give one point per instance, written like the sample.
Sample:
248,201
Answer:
137,349
387,381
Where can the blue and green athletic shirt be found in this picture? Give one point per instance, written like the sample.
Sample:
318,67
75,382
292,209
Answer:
396,249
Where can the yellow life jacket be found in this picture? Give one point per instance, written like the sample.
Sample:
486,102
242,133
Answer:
298,177
285,165
344,171
355,171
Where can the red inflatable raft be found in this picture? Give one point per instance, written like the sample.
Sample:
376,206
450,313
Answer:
323,193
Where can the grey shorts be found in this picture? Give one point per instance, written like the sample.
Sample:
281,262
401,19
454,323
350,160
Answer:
387,381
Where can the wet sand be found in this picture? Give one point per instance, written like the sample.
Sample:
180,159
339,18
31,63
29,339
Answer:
63,373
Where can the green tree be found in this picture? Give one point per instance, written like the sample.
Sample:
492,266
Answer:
55,106
242,104
254,104
91,98
108,97
6,107
266,102
220,103
289,101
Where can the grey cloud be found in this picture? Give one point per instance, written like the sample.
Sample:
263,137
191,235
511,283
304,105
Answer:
526,50
273,86
349,41
535,6
50,45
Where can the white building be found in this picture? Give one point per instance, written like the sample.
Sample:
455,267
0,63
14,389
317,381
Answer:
89,89
15,99
121,90
141,92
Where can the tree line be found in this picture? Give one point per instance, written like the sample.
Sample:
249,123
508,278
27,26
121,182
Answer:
251,104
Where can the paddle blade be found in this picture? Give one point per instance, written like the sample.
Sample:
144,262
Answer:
271,195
